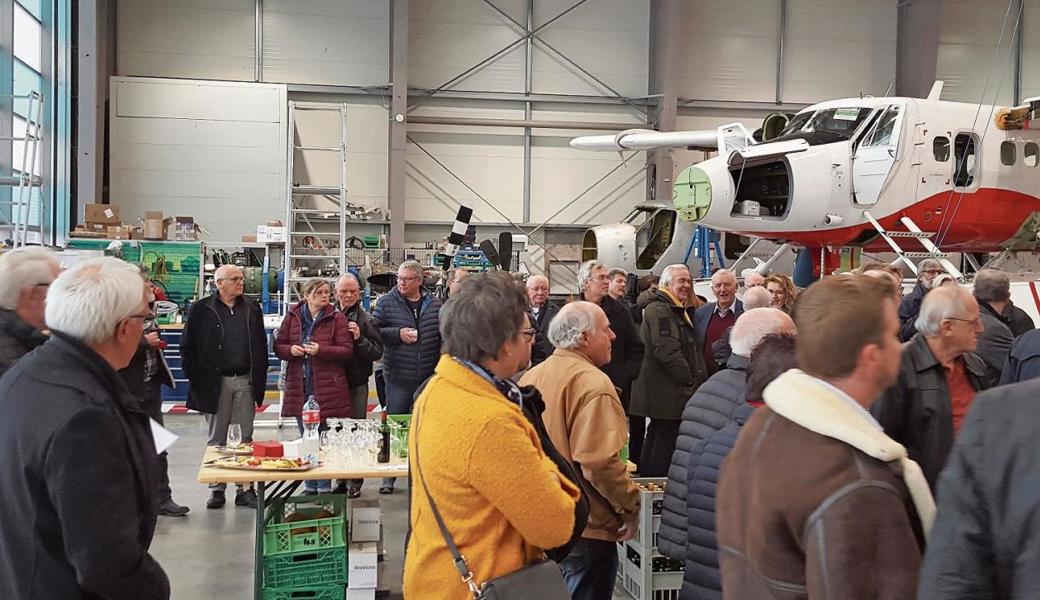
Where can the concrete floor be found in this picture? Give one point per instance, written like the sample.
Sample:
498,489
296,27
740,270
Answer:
209,553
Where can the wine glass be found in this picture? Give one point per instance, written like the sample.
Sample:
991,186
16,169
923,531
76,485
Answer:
234,436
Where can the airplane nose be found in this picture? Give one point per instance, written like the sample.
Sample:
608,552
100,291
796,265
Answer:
692,194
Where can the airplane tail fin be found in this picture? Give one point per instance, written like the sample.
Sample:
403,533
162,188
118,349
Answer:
937,88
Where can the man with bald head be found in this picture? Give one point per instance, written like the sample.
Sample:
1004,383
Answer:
224,355
938,379
542,314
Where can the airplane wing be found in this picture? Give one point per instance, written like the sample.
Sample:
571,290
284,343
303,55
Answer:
728,137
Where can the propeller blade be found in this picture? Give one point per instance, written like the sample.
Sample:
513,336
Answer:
491,253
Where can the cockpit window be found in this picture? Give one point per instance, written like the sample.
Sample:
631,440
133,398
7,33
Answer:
825,126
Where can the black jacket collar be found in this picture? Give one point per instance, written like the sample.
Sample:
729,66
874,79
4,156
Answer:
1005,319
20,329
97,367
922,358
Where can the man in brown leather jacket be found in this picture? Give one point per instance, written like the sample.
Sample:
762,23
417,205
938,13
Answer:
815,501
584,418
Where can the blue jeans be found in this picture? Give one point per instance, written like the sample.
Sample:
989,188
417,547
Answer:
590,569
323,486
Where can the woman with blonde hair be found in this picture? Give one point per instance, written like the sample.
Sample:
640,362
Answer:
782,288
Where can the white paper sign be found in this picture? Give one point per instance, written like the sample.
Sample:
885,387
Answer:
164,438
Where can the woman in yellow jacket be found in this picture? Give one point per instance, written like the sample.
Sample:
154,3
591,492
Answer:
503,500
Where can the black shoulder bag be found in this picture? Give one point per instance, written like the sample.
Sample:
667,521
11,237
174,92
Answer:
542,580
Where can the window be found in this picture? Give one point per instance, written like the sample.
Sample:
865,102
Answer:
1031,156
886,126
825,126
1007,153
941,149
964,154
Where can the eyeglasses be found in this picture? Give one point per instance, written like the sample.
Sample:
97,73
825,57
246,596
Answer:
972,322
235,279
411,278
529,332
145,316
321,292
933,272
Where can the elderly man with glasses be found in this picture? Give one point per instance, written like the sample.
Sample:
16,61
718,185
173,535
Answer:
25,275
224,355
909,308
78,482
938,379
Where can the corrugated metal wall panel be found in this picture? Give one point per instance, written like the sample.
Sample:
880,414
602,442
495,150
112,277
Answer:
332,42
1031,50
730,51
839,49
970,31
608,38
198,39
447,37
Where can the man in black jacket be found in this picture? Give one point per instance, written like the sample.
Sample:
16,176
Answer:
144,378
25,274
224,355
368,348
408,319
79,469
938,378
542,313
910,306
712,407
983,544
626,358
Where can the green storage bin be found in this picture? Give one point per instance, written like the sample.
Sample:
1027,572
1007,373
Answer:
306,569
399,426
283,537
328,592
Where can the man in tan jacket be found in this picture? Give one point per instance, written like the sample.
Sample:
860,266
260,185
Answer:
584,418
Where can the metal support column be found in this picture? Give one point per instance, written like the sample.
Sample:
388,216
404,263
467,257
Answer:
666,23
6,104
89,130
397,138
917,46
258,41
528,78
1019,9
780,37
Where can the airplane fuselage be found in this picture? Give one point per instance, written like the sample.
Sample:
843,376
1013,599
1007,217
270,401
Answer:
946,165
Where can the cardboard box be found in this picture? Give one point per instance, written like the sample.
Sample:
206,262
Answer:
119,232
106,214
182,229
362,566
274,223
361,594
153,226
248,239
271,235
364,521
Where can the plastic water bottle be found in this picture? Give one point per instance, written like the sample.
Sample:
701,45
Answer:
311,423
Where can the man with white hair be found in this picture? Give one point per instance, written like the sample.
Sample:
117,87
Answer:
224,355
938,379
756,297
542,313
713,319
25,275
673,368
992,291
713,406
585,420
78,479
626,352
752,279
910,306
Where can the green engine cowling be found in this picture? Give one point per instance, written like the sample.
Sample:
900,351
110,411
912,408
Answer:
691,194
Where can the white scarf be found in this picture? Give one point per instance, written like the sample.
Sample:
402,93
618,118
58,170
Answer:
798,397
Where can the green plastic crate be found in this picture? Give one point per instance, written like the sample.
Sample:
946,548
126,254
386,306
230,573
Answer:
279,536
306,569
399,426
327,592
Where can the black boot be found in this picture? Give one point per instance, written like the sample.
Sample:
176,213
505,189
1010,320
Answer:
216,499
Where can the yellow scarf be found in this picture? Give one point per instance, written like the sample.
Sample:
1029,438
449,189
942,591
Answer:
678,303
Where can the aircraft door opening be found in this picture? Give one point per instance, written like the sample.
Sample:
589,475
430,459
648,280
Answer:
876,156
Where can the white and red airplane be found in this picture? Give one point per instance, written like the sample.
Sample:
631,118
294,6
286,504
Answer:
867,172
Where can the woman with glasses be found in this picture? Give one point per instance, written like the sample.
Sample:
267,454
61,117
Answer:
783,291
475,450
315,341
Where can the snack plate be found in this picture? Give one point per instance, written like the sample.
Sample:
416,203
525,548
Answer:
266,464
243,450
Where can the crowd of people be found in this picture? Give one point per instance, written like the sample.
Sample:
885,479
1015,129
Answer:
842,441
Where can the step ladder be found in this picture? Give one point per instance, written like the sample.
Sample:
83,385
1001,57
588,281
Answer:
316,211
923,237
15,213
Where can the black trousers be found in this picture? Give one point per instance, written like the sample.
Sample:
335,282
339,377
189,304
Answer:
636,433
152,405
658,447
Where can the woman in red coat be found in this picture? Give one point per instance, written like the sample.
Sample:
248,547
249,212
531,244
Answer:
316,344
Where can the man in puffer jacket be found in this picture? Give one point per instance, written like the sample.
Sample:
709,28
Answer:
711,408
409,323
702,580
